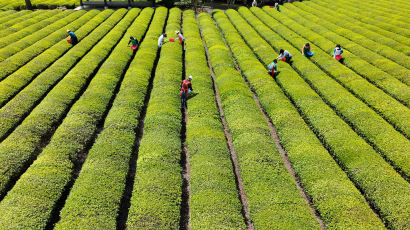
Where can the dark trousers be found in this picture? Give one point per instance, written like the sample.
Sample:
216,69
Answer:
74,40
184,98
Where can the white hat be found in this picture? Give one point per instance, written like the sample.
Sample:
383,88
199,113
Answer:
68,31
177,32
190,77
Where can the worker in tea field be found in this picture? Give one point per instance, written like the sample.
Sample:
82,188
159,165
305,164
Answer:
161,40
180,37
272,68
337,53
73,37
285,56
186,89
134,43
254,3
277,6
306,50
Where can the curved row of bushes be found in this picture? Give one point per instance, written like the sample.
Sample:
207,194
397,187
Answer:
214,196
42,15
27,31
372,10
356,16
30,203
12,18
378,42
378,181
366,122
40,4
17,54
377,60
20,19
381,79
4,14
156,196
272,195
359,35
94,200
24,101
21,147
332,193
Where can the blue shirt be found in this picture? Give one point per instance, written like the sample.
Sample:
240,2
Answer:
72,35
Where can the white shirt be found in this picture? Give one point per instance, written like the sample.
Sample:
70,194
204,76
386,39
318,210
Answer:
161,40
182,37
254,3
285,54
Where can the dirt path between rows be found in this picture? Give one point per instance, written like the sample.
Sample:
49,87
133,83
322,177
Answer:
186,167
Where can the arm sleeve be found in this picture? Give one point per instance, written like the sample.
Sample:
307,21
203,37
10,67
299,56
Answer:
190,86
129,41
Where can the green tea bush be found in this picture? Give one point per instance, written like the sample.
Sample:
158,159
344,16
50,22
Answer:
358,17
43,15
329,14
156,196
38,190
332,193
15,21
381,79
18,54
353,154
214,202
20,147
380,16
15,37
13,112
271,193
359,36
315,24
363,119
95,198
11,17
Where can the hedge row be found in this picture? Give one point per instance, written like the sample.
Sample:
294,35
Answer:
41,4
15,110
333,195
94,200
23,54
11,17
271,192
18,20
11,38
43,15
354,15
156,196
378,61
384,81
395,8
36,35
214,196
381,16
392,144
30,204
22,145
372,10
382,186
20,78
359,36
6,13
328,14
